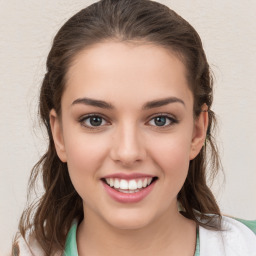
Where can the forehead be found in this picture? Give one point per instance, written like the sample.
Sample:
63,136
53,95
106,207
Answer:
141,70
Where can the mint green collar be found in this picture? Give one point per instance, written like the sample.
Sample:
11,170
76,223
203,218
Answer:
71,246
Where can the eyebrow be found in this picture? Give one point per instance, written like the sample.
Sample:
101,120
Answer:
93,102
162,102
146,106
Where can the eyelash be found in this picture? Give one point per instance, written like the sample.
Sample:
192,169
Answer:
84,118
171,119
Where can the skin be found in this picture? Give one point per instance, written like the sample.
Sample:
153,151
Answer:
127,75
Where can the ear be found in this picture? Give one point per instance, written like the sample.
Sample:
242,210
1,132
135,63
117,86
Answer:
57,135
199,133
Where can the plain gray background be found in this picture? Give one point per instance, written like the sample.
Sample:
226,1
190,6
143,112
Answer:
227,29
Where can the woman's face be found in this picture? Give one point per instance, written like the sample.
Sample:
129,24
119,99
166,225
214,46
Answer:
127,119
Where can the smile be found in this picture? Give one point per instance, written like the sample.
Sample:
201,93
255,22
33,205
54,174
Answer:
128,190
129,186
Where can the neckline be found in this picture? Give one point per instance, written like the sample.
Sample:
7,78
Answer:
71,244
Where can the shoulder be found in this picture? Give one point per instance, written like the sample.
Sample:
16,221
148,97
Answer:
235,239
251,224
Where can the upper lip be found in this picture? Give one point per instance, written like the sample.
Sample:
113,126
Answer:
129,176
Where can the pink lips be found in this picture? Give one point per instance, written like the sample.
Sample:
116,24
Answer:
128,197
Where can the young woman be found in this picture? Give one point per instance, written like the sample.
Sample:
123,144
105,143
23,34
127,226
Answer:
126,101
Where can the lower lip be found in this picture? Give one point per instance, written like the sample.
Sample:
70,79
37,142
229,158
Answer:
128,197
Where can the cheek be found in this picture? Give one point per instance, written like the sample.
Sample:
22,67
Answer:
82,147
85,156
171,153
171,158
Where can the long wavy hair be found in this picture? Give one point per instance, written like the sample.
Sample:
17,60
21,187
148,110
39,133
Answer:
50,217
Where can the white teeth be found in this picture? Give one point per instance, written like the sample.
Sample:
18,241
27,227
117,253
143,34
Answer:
133,185
123,184
129,191
149,180
145,183
139,184
116,183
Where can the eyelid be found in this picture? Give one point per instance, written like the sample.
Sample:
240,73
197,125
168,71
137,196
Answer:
171,117
87,116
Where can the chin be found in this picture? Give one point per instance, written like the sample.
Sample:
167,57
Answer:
130,220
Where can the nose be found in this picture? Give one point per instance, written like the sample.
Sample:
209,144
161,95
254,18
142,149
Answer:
127,145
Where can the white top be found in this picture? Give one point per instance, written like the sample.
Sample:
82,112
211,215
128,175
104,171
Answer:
236,240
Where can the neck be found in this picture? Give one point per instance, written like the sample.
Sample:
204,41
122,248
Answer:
171,233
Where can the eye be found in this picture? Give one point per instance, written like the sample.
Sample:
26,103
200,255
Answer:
91,121
163,120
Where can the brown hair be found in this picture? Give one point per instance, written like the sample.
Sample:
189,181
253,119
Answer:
121,20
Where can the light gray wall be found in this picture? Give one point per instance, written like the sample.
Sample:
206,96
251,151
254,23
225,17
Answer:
227,29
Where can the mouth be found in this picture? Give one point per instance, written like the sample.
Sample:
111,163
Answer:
129,186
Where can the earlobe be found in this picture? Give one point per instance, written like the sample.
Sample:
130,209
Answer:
57,135
199,133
